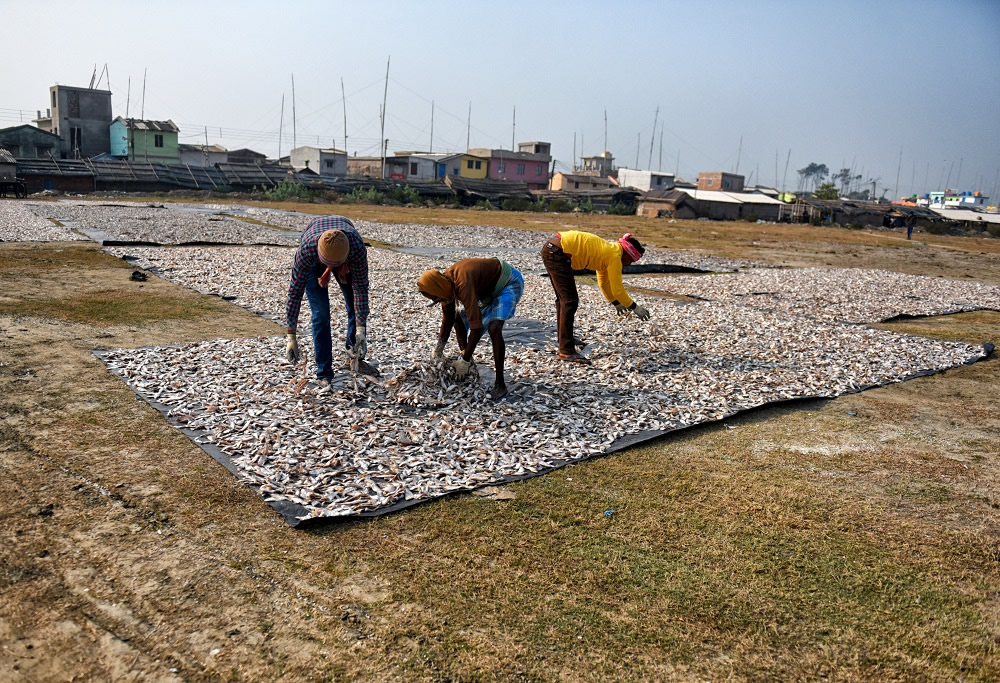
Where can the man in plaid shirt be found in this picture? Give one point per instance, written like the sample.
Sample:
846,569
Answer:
330,246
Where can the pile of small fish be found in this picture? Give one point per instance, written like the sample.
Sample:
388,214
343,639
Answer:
163,224
852,295
417,432
18,223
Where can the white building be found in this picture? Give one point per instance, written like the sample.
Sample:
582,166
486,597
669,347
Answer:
203,155
420,165
645,180
323,161
952,200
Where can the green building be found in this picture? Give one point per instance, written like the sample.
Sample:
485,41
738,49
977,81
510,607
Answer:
140,140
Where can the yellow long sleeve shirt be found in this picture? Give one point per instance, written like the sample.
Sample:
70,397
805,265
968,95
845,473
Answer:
590,252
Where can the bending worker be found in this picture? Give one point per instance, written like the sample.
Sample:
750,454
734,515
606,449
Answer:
330,247
574,250
489,290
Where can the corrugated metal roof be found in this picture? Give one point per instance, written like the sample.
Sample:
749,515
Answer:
53,167
6,157
167,126
967,215
711,196
216,149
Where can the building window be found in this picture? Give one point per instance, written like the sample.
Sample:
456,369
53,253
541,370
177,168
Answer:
520,169
157,141
708,182
413,168
502,166
576,186
538,170
479,165
454,171
329,164
725,184
53,100
469,164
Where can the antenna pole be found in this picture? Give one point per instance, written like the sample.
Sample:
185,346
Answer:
574,151
431,150
295,141
660,166
785,174
343,99
738,155
899,166
128,96
656,118
513,129
468,127
385,95
638,146
606,130
142,112
281,125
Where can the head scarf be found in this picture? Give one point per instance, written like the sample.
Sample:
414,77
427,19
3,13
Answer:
629,248
433,283
332,247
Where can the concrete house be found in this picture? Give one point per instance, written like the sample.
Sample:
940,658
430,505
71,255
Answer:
320,160
202,155
246,156
464,166
145,140
602,165
29,142
80,117
370,167
529,165
571,182
645,180
720,181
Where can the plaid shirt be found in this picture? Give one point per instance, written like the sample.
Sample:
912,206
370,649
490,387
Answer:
306,257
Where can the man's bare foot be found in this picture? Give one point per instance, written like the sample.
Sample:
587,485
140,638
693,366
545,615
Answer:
498,392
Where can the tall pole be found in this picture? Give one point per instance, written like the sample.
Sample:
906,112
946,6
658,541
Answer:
775,168
574,152
895,192
659,166
738,155
142,112
656,118
927,170
295,142
385,95
785,174
205,155
343,98
605,130
432,128
638,146
468,127
958,178
913,178
677,166
281,126
513,128
947,183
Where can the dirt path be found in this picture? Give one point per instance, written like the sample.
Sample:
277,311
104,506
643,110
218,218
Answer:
855,538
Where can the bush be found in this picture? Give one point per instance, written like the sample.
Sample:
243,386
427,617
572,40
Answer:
937,228
483,204
560,205
287,190
994,230
515,204
750,217
404,194
816,220
622,209
585,207
367,195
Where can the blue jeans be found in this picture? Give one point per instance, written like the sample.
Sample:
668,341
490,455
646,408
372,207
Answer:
319,304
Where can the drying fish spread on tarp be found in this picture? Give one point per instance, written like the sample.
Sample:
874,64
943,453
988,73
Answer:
845,294
370,445
18,223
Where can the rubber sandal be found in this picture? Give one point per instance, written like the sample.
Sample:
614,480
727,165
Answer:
574,358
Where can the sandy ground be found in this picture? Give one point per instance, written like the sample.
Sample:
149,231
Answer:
854,538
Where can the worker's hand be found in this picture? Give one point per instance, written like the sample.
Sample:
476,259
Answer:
361,343
324,279
621,309
438,352
641,312
291,348
461,367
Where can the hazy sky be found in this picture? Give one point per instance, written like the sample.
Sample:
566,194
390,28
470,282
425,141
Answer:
834,82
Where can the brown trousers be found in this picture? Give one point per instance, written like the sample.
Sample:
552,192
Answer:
560,270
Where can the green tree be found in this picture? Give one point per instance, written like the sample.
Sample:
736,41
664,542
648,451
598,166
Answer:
813,174
827,191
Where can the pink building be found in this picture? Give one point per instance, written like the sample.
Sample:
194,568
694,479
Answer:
530,164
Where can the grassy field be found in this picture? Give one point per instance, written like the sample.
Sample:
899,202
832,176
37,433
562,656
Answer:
857,538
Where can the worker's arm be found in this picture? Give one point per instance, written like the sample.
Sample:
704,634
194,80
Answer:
609,279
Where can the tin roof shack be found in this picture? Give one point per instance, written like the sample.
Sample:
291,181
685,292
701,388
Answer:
245,156
666,204
202,155
470,190
719,180
529,167
645,181
569,182
369,167
245,177
599,200
416,165
30,142
321,160
736,205
8,167
145,140
61,175
80,117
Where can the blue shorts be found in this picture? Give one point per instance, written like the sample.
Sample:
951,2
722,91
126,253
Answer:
504,305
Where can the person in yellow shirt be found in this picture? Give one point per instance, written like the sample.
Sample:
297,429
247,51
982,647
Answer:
575,250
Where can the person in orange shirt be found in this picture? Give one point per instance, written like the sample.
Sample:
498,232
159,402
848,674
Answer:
575,250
